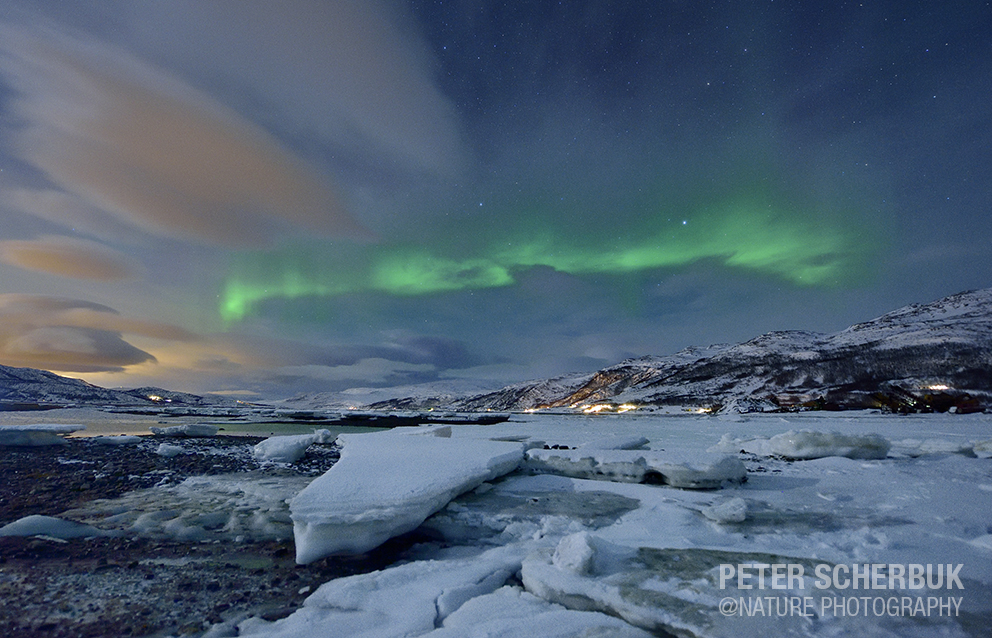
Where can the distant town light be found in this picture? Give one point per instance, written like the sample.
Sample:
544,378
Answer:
595,409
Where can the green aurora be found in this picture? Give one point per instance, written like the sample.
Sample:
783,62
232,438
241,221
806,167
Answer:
802,250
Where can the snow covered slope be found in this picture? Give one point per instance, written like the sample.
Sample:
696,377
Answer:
924,357
23,387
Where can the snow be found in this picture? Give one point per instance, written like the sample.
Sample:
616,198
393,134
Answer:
388,483
36,525
187,429
289,448
38,434
809,444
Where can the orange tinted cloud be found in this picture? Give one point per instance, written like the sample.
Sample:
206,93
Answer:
354,73
68,257
74,336
138,143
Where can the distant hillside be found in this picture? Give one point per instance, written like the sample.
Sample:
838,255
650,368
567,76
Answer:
924,357
27,387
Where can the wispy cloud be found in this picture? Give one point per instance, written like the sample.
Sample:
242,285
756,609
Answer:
69,257
74,336
351,74
143,145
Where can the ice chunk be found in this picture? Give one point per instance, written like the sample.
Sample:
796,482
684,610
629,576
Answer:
618,442
289,449
387,484
36,525
730,511
510,612
984,541
808,444
169,451
983,449
574,553
915,447
583,553
36,434
406,600
187,429
247,506
700,470
122,439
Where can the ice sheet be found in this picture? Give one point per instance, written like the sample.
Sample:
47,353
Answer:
387,484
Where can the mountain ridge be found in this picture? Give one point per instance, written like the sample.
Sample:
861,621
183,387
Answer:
933,356
30,388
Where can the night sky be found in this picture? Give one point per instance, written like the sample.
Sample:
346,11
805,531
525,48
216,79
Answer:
271,197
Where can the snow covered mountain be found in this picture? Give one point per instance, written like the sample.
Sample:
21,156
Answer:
25,388
924,357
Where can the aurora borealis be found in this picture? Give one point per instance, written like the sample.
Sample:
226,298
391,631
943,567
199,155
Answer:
741,235
266,198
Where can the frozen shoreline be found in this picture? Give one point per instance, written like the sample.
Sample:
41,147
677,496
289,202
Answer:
925,502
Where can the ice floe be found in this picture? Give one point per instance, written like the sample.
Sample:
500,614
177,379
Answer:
289,448
122,439
511,612
688,592
699,470
406,600
808,444
37,434
983,449
168,450
388,483
733,510
186,429
37,525
618,442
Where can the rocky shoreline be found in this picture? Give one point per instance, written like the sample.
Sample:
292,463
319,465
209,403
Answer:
136,586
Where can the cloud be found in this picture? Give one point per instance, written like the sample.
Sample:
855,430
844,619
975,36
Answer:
69,349
351,73
65,211
74,336
68,257
365,371
134,141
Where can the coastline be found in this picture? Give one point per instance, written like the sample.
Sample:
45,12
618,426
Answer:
130,586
